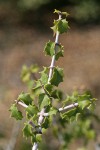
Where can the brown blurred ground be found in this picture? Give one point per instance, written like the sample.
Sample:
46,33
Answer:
20,46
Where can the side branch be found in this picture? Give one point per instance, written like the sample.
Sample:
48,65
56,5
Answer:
68,107
21,103
42,114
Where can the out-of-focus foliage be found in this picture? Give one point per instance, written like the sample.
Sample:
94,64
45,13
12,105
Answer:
82,11
25,4
29,4
87,10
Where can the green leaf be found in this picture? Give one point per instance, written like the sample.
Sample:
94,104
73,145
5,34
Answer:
32,109
57,76
34,119
55,27
27,131
63,26
69,99
37,86
66,101
50,48
44,76
84,97
67,115
30,84
77,116
25,74
59,12
71,112
60,25
34,68
33,138
44,100
59,54
38,137
54,49
84,104
26,98
15,112
91,107
57,94
27,71
53,111
72,119
48,88
46,123
59,49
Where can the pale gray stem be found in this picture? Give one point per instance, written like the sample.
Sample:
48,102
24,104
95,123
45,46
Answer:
21,103
53,58
45,114
35,146
68,107
42,114
41,117
40,120
51,68
62,109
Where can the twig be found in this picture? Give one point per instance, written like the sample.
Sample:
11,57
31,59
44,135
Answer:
41,117
43,114
68,107
53,58
35,146
21,103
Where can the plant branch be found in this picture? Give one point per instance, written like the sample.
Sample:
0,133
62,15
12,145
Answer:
42,114
35,146
21,103
41,117
53,58
50,75
68,107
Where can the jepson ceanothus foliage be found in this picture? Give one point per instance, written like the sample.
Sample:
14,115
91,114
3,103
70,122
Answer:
44,98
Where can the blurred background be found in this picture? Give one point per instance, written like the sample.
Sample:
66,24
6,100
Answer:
24,30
